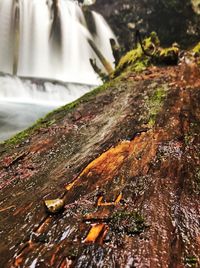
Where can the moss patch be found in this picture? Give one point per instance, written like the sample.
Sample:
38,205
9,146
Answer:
191,261
196,49
155,103
167,56
127,222
196,52
136,60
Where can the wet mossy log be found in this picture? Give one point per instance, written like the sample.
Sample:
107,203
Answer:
125,161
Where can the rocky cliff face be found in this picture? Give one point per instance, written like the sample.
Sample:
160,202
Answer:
174,21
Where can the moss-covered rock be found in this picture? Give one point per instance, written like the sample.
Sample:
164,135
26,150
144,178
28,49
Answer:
151,53
168,56
136,60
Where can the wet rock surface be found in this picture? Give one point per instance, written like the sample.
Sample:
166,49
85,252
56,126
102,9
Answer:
125,16
126,163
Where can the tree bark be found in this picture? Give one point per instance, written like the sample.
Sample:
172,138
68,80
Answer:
125,159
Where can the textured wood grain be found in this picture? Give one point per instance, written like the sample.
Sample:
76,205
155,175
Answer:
128,164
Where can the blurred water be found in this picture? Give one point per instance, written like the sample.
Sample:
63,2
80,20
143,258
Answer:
23,101
39,91
49,39
15,117
46,40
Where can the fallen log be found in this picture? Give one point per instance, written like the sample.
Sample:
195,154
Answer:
127,168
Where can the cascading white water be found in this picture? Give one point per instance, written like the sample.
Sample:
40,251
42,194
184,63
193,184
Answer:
102,31
44,41
22,101
39,91
33,56
6,36
50,40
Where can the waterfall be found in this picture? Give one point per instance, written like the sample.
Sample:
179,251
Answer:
6,36
24,100
39,91
45,47
49,39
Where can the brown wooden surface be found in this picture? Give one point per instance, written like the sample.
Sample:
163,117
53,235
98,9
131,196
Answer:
118,163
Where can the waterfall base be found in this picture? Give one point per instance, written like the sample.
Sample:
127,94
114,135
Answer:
15,117
23,101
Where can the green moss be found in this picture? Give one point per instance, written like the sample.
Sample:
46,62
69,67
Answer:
25,133
127,222
152,41
166,51
168,56
55,115
155,103
196,50
135,59
187,139
132,58
191,261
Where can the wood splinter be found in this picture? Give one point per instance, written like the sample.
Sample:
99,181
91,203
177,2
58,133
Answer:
104,204
96,232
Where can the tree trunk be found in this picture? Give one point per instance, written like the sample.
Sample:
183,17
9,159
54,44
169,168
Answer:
125,159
